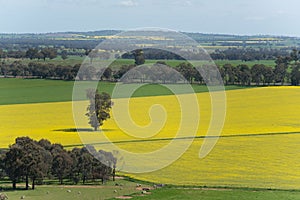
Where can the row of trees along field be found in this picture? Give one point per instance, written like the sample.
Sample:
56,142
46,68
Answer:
286,71
244,54
28,159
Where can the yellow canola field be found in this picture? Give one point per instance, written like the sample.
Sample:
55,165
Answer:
256,162
249,111
249,161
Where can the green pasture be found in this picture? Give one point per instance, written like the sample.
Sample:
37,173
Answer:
72,192
218,194
22,91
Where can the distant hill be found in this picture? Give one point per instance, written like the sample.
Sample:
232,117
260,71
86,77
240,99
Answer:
91,38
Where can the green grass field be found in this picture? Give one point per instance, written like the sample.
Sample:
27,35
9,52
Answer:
215,194
82,192
21,91
128,189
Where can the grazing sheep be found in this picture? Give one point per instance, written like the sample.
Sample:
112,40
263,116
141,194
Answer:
69,191
3,196
22,197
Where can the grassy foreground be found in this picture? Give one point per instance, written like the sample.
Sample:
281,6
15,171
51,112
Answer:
129,190
214,194
70,192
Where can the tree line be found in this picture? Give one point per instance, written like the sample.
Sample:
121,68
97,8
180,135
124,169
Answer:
248,54
284,72
30,160
244,54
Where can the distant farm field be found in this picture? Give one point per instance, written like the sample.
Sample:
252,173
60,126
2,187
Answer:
258,145
23,91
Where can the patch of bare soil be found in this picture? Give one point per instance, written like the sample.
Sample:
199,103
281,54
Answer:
124,197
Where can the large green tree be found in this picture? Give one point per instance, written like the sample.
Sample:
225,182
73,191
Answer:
295,75
32,53
99,108
62,162
13,165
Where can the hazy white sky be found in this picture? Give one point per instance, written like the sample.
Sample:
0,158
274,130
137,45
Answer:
276,17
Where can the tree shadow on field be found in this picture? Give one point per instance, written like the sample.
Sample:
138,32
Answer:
73,130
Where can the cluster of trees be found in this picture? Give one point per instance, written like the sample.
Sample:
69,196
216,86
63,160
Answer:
35,53
22,44
185,72
248,54
153,54
244,75
38,70
28,159
42,53
32,53
244,54
285,72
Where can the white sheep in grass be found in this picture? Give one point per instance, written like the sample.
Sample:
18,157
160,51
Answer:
3,196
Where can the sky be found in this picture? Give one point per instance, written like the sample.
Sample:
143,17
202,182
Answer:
240,17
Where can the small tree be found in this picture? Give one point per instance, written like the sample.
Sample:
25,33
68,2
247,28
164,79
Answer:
139,57
64,55
99,108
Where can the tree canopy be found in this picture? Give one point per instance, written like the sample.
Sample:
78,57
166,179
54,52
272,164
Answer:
99,108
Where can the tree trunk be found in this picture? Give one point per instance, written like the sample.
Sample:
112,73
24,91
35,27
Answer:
33,183
95,128
114,174
27,182
83,180
14,184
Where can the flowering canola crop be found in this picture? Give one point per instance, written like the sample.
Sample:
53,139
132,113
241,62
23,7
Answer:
240,157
